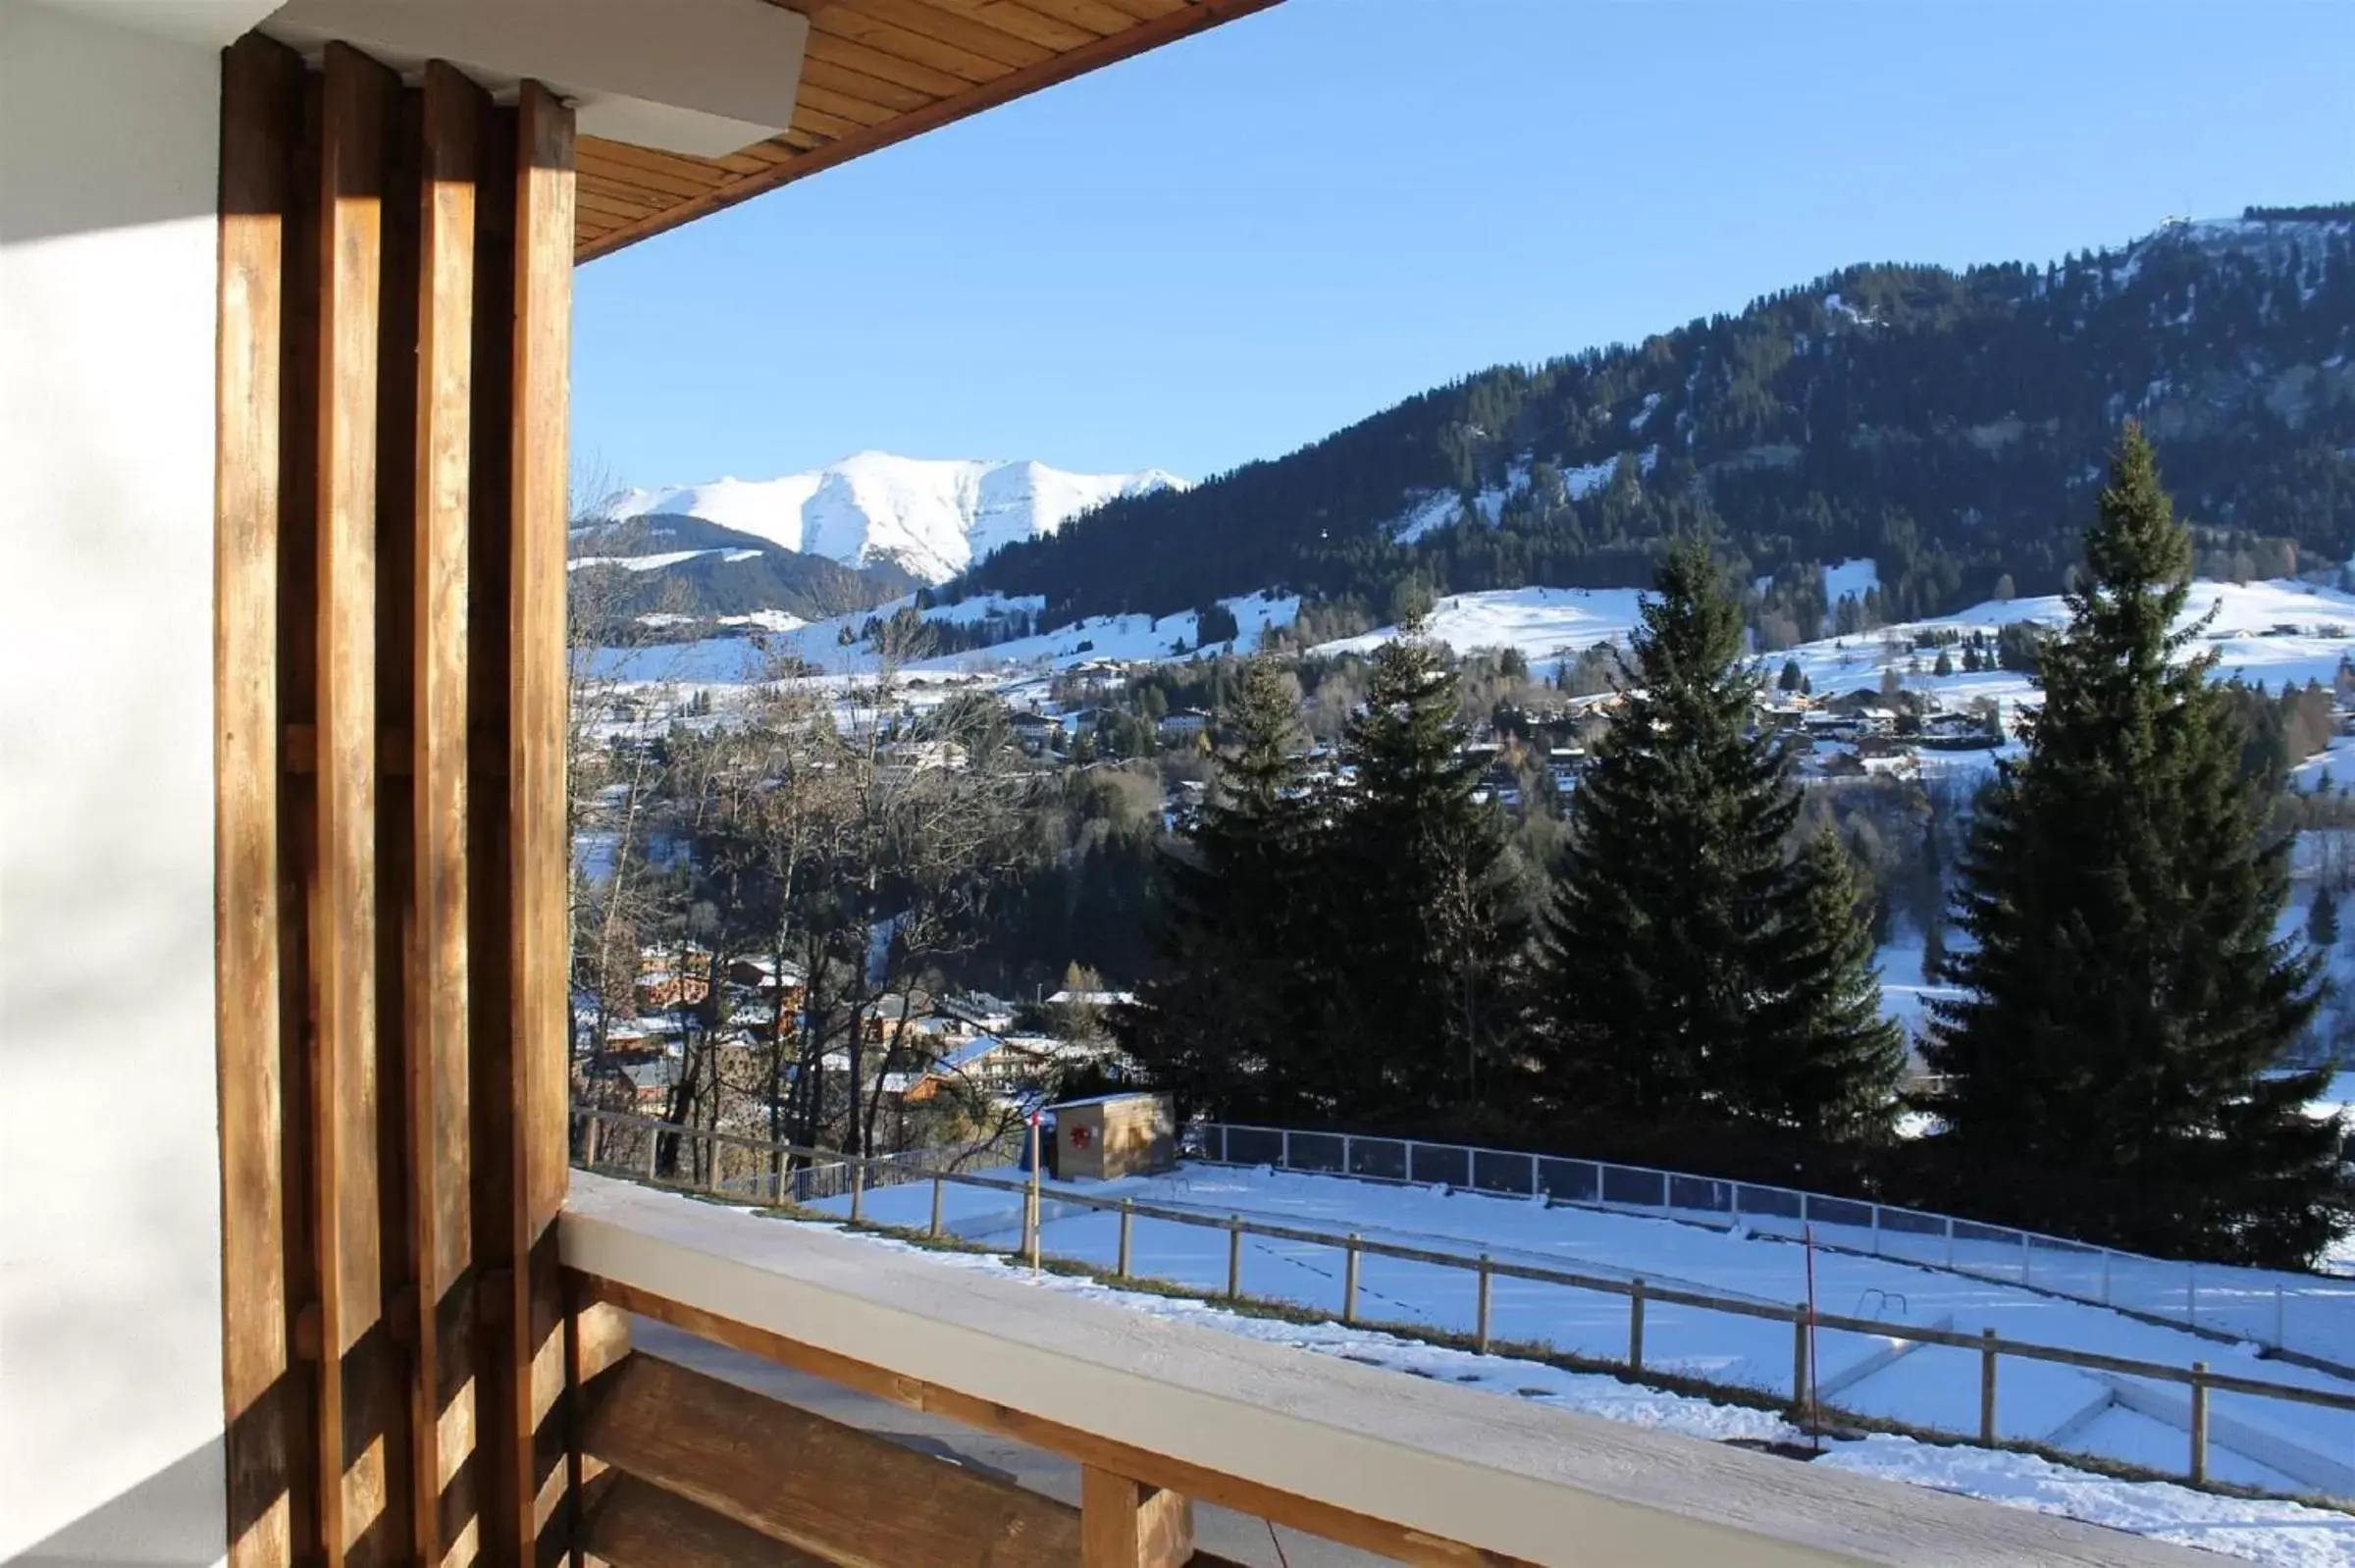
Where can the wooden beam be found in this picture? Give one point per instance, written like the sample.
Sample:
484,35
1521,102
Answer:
441,1390
1015,82
260,111
357,97
1127,1524
636,1524
1236,1492
539,979
845,1495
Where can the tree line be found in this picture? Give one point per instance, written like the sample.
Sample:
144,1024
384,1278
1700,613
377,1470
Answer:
1341,943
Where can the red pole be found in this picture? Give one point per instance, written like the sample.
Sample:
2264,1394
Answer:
1814,1357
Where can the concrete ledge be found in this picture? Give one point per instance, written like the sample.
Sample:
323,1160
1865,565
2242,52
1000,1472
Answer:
1503,1476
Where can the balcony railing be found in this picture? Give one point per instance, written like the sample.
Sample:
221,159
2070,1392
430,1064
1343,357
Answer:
1157,1414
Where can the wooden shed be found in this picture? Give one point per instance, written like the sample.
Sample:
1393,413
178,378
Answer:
1115,1135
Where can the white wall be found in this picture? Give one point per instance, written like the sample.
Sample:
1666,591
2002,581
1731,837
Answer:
110,1237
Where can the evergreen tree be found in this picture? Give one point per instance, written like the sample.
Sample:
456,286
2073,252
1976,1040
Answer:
1792,676
1688,968
1418,934
2107,1069
2322,919
1222,1028
1824,1062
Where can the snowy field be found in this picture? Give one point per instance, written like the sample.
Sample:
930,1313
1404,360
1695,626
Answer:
2263,1442
2282,1534
2271,634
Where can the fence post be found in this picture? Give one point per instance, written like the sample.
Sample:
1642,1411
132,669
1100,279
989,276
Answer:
588,1142
1635,1327
1480,1335
1235,1257
1128,1222
2199,1422
1349,1282
1348,1155
857,1188
1284,1159
1987,1359
654,1153
2280,1321
1534,1190
1950,1241
783,1164
2106,1256
716,1149
1799,1357
939,1187
2191,1292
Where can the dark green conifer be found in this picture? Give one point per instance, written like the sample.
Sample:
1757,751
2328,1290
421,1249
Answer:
2109,1067
1418,928
1223,1026
1824,1063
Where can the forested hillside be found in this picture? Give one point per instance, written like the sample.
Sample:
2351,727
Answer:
1950,426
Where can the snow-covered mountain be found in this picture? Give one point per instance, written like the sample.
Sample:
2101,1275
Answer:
932,517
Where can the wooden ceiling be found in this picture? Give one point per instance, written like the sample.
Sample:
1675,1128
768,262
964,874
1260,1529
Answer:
879,72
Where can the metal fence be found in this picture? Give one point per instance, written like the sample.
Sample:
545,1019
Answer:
728,1165
757,1170
2308,1316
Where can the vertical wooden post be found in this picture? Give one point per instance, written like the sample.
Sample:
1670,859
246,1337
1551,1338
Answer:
589,1140
2199,1422
1127,1229
1235,1257
260,119
1126,1524
857,1188
1349,1268
939,1190
357,99
440,1204
1987,1361
1480,1334
390,865
1635,1325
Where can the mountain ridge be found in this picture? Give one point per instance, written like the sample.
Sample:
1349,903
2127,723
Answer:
930,517
1949,425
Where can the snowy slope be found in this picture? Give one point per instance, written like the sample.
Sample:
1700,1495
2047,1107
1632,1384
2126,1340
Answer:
1932,1386
933,518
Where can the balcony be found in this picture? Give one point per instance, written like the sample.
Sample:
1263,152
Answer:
679,1466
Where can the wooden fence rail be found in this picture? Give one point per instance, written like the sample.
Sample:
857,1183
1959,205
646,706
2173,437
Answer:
881,1170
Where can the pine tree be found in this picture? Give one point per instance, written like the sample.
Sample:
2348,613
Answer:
1688,968
1222,1028
1418,934
2322,919
1824,1062
2107,1068
1792,676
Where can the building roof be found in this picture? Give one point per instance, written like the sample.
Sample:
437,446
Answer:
874,73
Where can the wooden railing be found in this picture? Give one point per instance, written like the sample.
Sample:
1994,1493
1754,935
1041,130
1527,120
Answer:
766,1169
682,1468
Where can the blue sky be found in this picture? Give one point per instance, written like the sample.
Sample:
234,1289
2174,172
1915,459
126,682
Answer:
1232,245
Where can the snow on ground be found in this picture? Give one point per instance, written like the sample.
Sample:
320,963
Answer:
2287,1534
1906,995
1850,579
1122,638
1544,623
2264,1442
